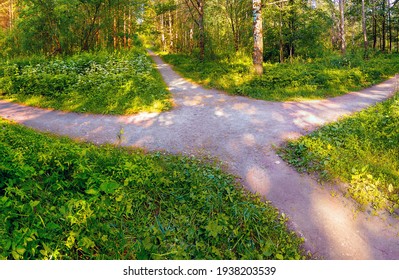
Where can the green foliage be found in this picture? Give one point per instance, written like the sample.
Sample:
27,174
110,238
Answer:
361,150
118,83
63,200
66,26
319,78
302,30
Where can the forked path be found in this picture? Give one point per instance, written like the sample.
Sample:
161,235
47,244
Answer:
242,132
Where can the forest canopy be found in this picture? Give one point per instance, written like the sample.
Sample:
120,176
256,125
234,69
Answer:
290,28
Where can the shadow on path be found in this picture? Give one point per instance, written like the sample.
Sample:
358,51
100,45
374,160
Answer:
241,132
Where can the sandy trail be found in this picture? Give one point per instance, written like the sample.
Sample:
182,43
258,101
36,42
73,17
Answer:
242,132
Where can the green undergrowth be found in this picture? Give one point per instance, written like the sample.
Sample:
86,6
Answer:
65,200
319,78
361,150
104,83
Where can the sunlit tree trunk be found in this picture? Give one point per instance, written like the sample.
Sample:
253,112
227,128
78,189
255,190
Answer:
171,39
177,39
258,36
11,14
129,29
124,29
163,41
342,26
191,39
115,34
364,28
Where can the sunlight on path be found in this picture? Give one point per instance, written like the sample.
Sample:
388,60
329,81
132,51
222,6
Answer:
242,132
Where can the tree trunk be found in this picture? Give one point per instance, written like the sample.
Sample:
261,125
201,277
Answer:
281,34
129,29
124,30
177,41
390,25
201,28
11,14
258,36
115,34
364,27
397,39
162,33
171,43
197,7
374,26
342,26
383,47
191,38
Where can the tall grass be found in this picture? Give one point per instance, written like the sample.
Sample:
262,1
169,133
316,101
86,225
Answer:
64,200
116,83
362,150
302,79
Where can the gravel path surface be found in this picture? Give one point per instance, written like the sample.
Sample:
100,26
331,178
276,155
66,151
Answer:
242,132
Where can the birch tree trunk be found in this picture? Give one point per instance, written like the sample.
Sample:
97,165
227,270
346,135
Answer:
342,26
171,44
258,36
163,41
364,27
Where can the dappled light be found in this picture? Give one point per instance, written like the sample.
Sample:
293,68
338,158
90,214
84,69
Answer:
258,180
242,133
342,226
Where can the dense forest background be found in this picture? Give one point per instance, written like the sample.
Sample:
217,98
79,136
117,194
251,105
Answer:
207,28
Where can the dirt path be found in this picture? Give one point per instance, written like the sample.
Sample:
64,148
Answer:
242,132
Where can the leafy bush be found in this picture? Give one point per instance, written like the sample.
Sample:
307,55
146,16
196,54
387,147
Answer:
361,150
320,78
63,200
118,83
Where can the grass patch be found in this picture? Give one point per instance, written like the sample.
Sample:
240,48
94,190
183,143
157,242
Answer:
103,83
362,150
320,78
65,200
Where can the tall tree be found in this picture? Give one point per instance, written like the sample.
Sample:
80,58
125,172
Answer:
342,26
237,13
364,28
196,9
258,36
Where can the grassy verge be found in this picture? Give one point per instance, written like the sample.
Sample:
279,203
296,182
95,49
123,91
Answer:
118,83
65,200
361,150
316,79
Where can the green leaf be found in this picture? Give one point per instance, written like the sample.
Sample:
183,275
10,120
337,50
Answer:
213,228
20,250
109,187
91,191
279,257
15,255
33,204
